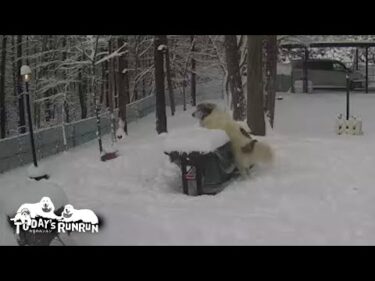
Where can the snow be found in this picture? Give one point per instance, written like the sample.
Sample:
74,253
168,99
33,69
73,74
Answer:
114,54
195,139
320,190
15,192
25,69
35,172
244,125
120,133
162,47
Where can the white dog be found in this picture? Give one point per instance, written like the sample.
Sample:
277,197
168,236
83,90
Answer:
72,215
44,208
23,216
246,151
47,208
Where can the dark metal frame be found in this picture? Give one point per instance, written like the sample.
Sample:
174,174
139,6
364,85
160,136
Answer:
31,132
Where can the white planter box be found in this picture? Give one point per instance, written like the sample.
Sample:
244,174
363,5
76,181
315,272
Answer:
353,126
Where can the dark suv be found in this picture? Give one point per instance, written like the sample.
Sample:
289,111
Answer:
327,73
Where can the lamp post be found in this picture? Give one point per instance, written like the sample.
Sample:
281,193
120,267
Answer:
35,172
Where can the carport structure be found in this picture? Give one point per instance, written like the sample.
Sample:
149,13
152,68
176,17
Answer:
335,44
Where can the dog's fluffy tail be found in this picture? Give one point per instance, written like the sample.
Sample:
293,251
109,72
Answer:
263,153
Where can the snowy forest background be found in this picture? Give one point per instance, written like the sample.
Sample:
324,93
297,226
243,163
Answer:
122,67
311,194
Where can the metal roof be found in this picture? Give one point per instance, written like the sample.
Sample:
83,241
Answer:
337,44
316,59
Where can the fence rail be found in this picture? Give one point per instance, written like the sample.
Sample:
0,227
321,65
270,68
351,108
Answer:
15,151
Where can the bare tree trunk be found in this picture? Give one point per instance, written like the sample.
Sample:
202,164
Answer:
14,66
143,88
161,117
272,51
234,76
66,105
255,113
123,86
169,79
82,93
184,92
105,78
45,72
103,94
135,96
3,120
193,75
95,96
21,107
111,101
37,74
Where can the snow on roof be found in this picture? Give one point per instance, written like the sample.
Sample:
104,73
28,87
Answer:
195,139
317,44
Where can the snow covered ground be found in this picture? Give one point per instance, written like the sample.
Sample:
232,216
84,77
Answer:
319,191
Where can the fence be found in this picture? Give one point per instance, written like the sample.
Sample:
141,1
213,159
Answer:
15,151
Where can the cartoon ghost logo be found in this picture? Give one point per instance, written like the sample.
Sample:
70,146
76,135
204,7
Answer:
73,215
44,208
23,216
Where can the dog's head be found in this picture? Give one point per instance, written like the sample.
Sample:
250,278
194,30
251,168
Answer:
25,212
203,110
68,211
47,205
